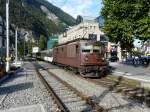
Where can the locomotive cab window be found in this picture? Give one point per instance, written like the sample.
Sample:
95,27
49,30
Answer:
87,49
91,49
96,49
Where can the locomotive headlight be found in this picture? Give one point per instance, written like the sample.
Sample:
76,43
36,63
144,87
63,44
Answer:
103,59
86,58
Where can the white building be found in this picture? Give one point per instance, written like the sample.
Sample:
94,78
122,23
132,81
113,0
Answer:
112,47
86,29
146,47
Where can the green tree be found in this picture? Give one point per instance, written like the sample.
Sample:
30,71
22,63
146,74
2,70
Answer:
27,14
125,20
42,42
55,44
21,50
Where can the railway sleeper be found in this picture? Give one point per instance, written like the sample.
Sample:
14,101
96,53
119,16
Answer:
125,91
95,105
120,89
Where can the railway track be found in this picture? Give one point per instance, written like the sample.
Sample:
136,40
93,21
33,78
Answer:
66,97
129,88
119,85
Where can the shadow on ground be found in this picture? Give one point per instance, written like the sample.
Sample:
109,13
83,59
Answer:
15,88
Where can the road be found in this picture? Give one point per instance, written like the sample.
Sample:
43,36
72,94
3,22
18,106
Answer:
133,72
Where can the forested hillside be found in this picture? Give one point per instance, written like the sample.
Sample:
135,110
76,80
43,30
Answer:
28,14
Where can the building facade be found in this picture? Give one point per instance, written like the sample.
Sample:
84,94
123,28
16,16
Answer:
86,30
113,50
53,40
146,48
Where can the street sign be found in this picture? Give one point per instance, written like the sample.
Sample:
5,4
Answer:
35,49
8,59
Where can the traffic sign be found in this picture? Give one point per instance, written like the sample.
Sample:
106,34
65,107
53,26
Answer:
8,59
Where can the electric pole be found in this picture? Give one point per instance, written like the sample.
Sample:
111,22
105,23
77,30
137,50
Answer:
16,48
7,36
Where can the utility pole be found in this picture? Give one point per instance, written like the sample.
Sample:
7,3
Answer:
7,36
24,48
16,48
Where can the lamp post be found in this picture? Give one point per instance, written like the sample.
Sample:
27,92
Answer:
16,48
7,36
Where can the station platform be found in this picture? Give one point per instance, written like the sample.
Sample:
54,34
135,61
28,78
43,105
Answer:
138,73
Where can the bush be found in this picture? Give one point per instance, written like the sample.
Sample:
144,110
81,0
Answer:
2,72
137,53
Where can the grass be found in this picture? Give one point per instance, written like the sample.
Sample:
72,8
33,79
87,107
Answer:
124,81
130,83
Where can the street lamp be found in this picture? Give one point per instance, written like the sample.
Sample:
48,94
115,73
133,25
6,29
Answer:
7,36
16,49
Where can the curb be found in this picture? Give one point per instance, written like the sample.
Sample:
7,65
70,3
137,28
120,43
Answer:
6,76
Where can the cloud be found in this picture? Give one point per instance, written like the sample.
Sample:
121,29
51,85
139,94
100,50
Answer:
79,7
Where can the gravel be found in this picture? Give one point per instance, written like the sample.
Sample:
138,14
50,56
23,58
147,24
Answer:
73,102
112,101
24,89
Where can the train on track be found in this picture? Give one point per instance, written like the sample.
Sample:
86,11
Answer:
83,56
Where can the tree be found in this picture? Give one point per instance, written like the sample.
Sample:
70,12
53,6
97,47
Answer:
125,20
55,44
21,48
79,19
29,46
27,14
42,42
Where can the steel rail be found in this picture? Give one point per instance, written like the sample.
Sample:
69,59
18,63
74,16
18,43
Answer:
144,96
95,106
113,85
60,104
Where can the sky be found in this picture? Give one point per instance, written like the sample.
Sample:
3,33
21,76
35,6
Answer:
90,8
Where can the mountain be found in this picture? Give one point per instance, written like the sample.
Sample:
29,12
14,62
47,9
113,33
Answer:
38,16
100,20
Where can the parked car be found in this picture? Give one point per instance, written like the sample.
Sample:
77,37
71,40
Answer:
113,59
146,60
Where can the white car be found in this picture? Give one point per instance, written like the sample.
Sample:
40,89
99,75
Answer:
17,64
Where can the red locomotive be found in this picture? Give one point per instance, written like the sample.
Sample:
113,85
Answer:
84,56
